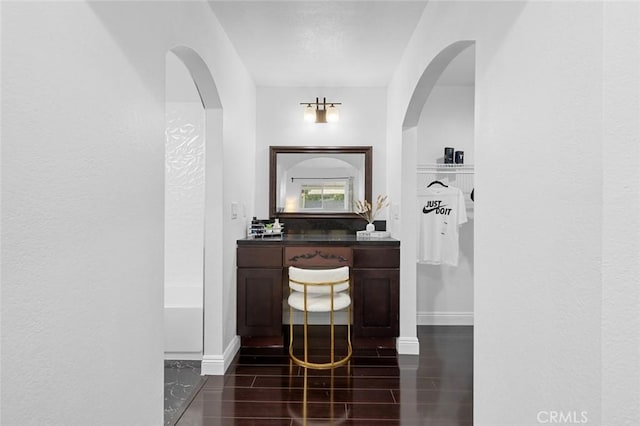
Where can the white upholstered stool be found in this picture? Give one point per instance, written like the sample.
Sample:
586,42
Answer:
319,290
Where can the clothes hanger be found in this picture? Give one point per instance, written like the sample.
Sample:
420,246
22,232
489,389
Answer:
436,182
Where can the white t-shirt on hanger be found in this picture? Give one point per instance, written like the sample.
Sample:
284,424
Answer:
442,211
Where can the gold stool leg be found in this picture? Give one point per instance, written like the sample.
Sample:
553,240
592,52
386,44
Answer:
349,347
290,327
306,345
305,362
333,334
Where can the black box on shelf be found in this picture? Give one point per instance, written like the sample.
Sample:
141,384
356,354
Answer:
448,155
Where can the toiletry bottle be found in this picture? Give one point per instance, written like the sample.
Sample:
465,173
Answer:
256,226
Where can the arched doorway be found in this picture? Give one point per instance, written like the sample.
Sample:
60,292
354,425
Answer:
184,214
408,344
193,190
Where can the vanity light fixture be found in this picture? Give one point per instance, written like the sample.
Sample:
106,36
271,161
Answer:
321,112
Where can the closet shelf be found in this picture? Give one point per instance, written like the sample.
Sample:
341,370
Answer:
445,168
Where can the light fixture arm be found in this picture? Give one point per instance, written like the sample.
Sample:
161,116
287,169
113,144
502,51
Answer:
321,113
317,103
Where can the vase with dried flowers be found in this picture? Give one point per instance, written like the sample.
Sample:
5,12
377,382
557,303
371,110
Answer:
368,212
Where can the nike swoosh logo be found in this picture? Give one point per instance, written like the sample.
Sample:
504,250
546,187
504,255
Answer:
427,211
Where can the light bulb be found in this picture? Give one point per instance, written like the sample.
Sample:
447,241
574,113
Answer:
309,114
333,115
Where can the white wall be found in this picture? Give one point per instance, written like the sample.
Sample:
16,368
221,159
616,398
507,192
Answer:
184,229
445,293
184,214
446,120
621,221
82,188
184,179
538,243
184,195
279,122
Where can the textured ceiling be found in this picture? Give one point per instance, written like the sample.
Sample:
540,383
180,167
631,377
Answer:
319,43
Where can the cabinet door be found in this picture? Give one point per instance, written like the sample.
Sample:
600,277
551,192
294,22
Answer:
376,302
259,302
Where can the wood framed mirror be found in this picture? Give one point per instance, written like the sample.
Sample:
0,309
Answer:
320,182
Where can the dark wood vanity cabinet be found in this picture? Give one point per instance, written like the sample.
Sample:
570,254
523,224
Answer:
262,285
259,310
376,290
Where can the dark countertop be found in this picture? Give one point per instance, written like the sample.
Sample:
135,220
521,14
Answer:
329,239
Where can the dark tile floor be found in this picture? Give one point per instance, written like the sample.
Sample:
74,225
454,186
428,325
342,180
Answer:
182,380
262,387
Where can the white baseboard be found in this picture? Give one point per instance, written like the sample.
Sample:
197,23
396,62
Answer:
216,365
231,351
445,318
181,356
407,346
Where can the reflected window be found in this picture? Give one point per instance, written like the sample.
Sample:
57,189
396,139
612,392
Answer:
333,196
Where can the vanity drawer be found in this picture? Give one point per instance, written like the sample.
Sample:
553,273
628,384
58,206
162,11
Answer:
259,257
310,256
378,257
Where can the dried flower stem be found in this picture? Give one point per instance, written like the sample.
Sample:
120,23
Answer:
368,212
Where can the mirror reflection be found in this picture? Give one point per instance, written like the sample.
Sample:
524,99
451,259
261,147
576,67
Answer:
318,180
319,184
